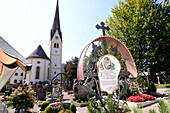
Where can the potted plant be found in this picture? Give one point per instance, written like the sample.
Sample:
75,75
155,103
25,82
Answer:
22,98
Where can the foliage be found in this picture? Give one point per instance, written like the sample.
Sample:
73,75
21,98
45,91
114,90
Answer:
73,108
141,81
70,69
22,97
143,26
163,85
167,81
48,109
110,104
151,88
44,104
152,111
8,92
163,107
137,110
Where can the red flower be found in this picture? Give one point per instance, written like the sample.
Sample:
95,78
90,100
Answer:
147,97
139,69
2,99
135,99
57,105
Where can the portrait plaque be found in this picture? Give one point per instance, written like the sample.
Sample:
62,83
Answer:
108,70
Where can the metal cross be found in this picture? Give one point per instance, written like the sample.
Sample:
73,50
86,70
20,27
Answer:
103,30
102,27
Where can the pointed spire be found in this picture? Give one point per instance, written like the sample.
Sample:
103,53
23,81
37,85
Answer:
56,23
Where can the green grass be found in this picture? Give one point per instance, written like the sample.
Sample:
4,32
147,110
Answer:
163,85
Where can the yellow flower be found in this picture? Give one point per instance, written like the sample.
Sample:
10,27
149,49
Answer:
65,111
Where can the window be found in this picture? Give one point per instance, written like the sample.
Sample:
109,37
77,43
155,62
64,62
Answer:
54,72
56,37
37,76
16,74
15,81
22,74
38,62
55,45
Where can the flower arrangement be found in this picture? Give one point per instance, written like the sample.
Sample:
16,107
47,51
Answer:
147,97
22,98
57,107
135,99
140,98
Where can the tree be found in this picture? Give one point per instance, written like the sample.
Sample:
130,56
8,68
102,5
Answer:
143,26
70,69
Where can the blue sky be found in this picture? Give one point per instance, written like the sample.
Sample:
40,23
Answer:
27,23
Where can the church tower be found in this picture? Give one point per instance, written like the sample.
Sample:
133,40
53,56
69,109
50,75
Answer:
55,46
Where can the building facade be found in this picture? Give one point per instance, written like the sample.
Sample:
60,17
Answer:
43,67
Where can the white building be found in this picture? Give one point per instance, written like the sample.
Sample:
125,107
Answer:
43,67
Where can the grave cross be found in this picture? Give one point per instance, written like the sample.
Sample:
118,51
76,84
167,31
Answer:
103,30
102,27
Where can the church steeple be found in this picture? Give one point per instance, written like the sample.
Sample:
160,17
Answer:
56,23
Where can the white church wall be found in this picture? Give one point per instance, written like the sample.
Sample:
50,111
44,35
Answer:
43,74
17,76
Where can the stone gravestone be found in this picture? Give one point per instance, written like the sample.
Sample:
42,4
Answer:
84,91
108,70
41,94
3,108
56,90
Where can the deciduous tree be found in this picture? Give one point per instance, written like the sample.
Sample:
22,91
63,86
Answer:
143,26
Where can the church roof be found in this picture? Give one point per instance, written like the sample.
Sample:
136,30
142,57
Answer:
38,53
9,50
56,23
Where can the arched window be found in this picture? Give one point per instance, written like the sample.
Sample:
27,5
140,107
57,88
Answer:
37,74
55,45
15,81
16,74
22,74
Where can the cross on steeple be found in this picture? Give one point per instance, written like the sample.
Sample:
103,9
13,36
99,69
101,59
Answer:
103,30
102,27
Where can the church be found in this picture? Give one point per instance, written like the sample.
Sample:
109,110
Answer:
43,67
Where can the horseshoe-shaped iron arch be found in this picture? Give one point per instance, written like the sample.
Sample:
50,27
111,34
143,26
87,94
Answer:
130,64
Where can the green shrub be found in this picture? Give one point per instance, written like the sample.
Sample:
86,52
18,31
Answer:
73,108
151,88
44,104
48,109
